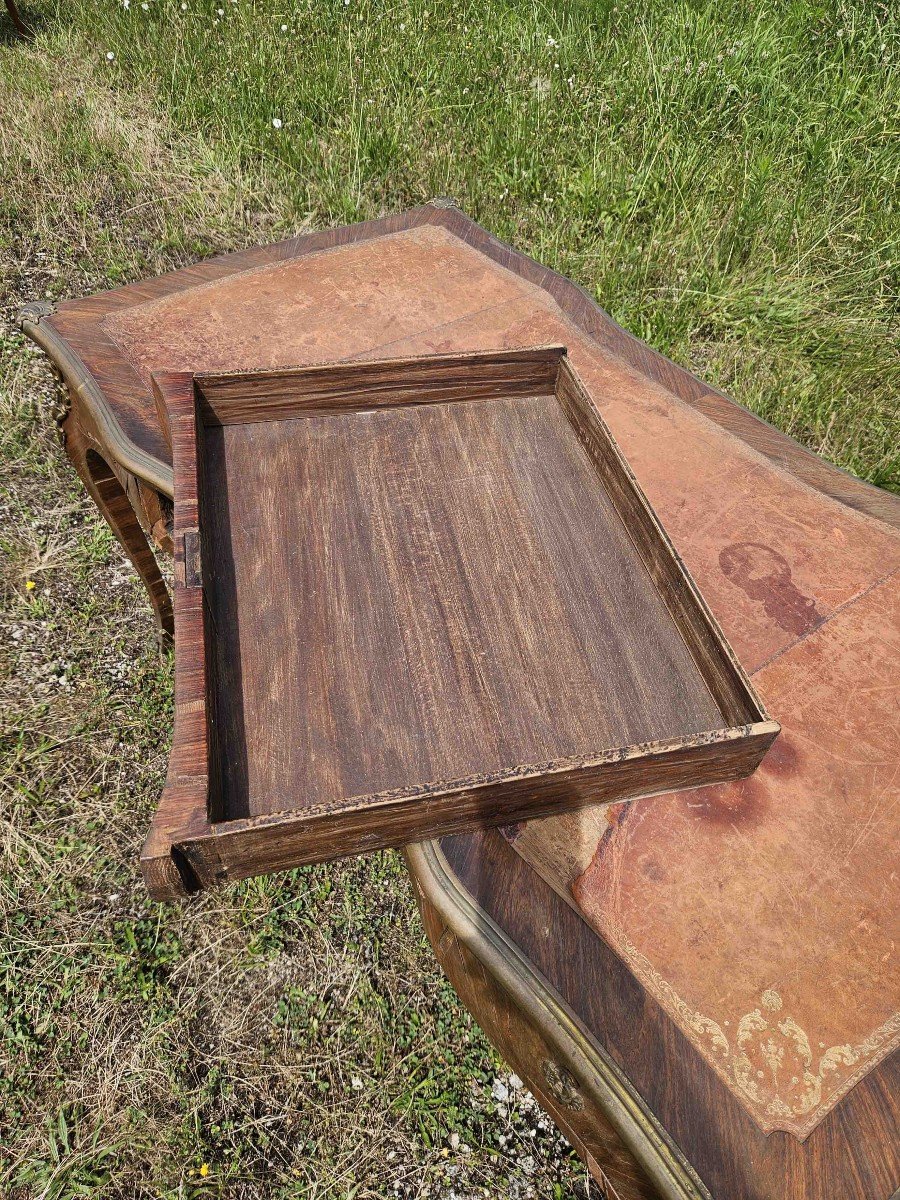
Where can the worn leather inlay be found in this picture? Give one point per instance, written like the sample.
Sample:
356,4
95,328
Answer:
765,575
345,302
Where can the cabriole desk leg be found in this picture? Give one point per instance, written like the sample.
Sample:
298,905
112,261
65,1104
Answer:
109,495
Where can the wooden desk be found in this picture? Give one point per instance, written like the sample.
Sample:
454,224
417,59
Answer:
698,987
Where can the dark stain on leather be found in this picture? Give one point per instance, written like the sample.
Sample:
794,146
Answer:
765,576
652,870
783,760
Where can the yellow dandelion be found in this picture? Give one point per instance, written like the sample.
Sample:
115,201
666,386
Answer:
30,585
204,1170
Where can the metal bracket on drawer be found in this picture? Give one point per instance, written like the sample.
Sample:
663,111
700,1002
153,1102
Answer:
188,567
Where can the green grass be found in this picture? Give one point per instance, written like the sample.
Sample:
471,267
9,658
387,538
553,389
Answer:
723,177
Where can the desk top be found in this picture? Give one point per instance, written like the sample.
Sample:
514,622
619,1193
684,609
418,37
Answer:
734,944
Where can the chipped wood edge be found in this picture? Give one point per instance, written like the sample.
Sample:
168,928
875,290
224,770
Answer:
222,851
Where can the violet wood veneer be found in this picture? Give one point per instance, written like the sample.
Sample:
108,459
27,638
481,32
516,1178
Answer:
416,597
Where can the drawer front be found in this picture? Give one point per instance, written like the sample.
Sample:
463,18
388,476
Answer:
530,1054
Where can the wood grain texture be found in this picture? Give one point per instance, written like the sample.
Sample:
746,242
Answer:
530,1048
189,804
119,498
424,613
242,397
722,673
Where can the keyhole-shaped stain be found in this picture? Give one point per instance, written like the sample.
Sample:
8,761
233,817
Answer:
765,576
